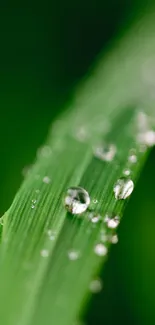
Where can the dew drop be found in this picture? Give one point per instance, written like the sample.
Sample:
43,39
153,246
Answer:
76,200
94,217
105,152
95,201
100,250
44,253
114,239
126,172
46,179
44,151
73,255
132,159
123,188
95,285
147,138
112,222
26,170
34,201
51,234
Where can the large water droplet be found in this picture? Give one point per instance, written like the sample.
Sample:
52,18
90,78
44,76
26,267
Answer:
112,221
106,152
100,250
77,200
123,188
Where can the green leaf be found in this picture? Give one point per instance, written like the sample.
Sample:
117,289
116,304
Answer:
40,283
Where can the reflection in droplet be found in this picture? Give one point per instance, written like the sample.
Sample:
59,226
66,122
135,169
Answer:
76,200
123,188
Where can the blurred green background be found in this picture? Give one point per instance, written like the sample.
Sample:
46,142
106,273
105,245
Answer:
45,50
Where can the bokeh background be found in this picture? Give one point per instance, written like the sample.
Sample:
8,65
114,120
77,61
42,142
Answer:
44,52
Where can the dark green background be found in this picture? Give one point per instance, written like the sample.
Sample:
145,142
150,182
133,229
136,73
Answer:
44,51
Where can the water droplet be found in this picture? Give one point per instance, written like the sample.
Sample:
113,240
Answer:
37,191
44,253
95,285
105,152
95,201
51,234
94,217
126,172
112,221
44,151
123,188
147,138
34,201
100,250
33,206
82,134
114,239
73,255
46,179
132,159
76,200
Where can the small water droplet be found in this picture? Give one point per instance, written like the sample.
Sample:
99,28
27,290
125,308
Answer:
82,134
132,159
95,286
94,217
95,201
106,152
123,188
73,255
37,191
76,200
26,170
46,179
51,234
44,151
44,253
112,222
126,172
100,250
114,239
33,206
34,201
